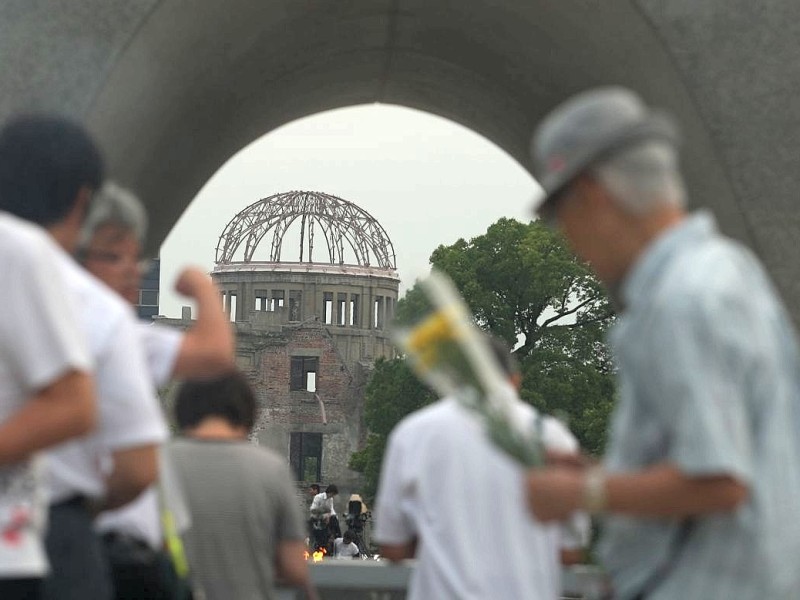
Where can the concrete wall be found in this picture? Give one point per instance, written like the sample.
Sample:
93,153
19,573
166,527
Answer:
172,88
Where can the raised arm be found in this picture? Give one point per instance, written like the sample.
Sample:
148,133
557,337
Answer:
208,347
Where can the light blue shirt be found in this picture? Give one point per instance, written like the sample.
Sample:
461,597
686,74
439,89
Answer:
708,381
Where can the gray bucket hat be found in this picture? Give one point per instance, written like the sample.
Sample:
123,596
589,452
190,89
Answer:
588,128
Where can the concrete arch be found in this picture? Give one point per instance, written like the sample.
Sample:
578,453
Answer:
172,88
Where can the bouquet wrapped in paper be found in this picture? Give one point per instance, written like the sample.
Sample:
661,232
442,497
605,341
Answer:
452,355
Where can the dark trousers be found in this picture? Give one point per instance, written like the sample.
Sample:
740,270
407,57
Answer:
20,589
78,566
139,572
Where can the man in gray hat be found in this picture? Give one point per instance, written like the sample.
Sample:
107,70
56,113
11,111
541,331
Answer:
700,487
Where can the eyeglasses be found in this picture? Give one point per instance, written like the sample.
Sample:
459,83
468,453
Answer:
112,258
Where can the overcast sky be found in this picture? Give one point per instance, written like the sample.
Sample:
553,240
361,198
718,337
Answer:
427,180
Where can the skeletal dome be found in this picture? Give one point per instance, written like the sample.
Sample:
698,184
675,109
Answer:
351,234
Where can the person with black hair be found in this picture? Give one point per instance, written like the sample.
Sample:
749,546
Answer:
246,526
313,491
322,505
445,490
345,546
324,522
50,169
46,397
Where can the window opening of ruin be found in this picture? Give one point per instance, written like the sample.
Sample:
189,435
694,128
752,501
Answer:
311,382
305,456
341,309
389,309
354,310
327,308
378,315
262,299
276,301
301,368
295,305
231,307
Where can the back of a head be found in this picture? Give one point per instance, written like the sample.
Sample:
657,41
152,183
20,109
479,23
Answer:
502,354
45,160
332,490
115,206
229,397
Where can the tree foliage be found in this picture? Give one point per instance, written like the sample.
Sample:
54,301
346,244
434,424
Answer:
525,287
520,280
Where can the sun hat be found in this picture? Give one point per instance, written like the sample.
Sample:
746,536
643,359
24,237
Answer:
588,128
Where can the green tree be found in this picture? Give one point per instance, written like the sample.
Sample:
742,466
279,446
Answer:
520,280
392,393
523,285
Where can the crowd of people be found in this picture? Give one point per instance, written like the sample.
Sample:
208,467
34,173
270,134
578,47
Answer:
698,492
90,502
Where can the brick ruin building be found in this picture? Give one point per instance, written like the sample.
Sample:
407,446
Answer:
310,326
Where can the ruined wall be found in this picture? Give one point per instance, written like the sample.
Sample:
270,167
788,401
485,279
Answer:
339,351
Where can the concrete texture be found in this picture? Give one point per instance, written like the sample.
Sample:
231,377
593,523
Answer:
382,580
172,88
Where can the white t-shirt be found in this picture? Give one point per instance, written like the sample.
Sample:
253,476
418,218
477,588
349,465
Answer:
342,550
322,505
446,484
161,347
141,518
40,340
130,414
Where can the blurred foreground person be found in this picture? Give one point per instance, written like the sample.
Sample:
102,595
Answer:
46,395
247,530
450,498
111,249
49,170
700,485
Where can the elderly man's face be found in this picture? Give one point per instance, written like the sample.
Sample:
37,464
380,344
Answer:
113,256
585,215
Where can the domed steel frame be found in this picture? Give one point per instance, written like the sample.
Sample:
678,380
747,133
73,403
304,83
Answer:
340,221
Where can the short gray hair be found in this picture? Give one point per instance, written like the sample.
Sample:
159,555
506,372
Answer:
116,206
644,177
